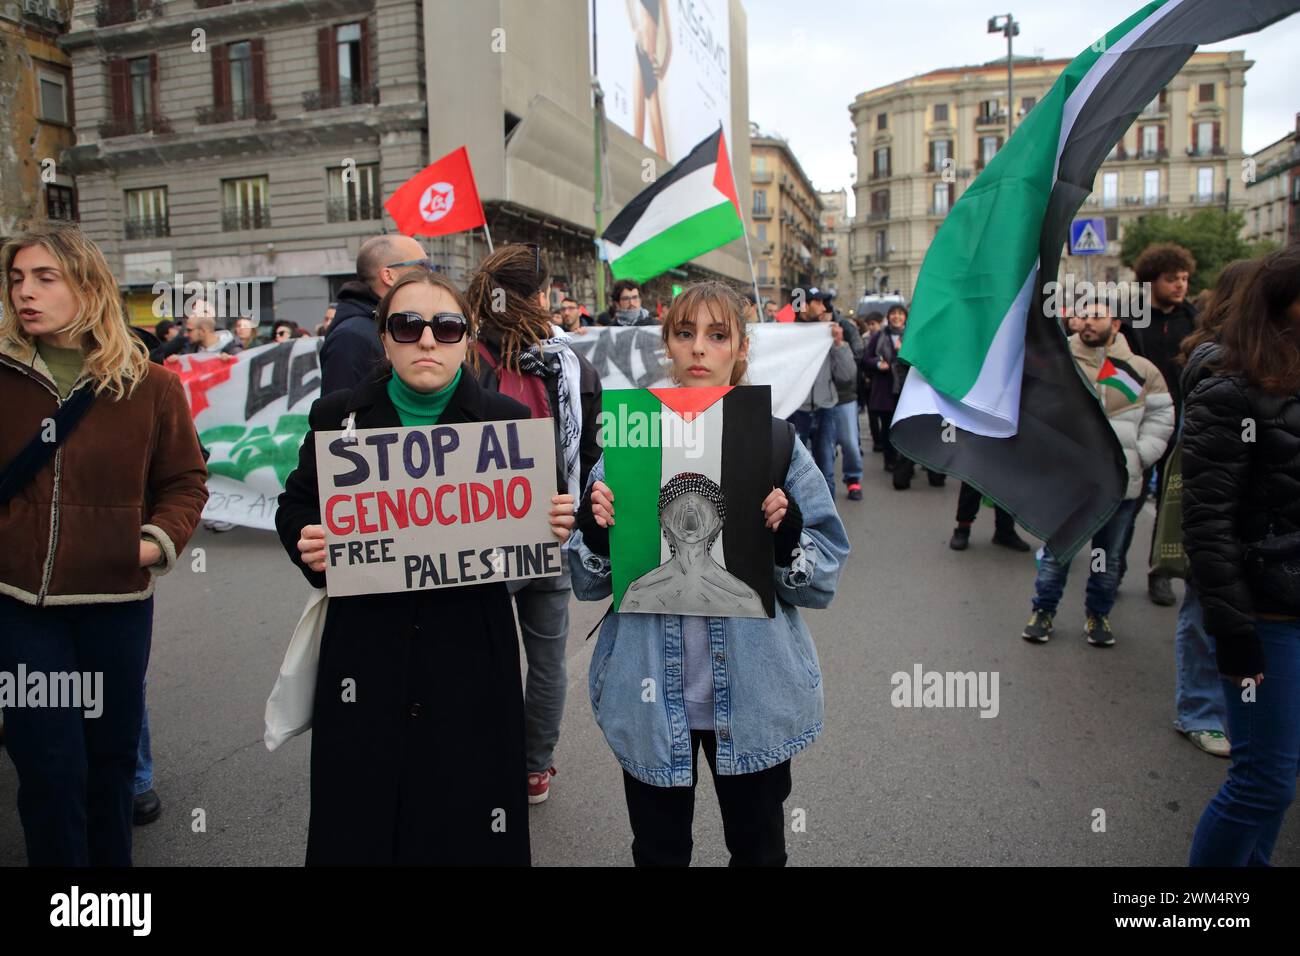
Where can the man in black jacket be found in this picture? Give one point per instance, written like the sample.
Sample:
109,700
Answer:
1166,269
351,352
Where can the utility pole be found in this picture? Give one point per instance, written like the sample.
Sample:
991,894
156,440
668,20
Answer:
1008,26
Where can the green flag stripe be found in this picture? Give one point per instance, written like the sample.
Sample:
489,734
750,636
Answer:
632,473
681,242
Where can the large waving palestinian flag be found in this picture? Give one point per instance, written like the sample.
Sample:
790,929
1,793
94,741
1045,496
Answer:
985,355
715,443
689,211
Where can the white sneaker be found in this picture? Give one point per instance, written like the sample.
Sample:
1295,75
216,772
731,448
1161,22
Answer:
1211,741
218,526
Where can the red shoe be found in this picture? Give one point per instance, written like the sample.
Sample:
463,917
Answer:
539,785
855,492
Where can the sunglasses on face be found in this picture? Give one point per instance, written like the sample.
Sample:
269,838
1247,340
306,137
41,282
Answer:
426,263
408,327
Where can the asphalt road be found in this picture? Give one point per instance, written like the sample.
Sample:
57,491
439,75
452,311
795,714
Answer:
1077,729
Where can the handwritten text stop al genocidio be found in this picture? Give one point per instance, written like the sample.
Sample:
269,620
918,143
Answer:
406,509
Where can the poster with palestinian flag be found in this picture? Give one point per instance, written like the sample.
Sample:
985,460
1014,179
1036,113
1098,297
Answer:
689,469
1119,375
986,353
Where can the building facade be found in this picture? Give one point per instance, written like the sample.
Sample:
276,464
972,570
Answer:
36,123
786,213
1273,192
836,228
921,142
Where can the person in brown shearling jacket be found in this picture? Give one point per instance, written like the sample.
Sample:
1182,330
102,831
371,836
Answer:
92,509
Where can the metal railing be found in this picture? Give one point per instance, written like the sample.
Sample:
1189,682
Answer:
131,125
761,177
938,210
343,96
764,213
111,12
1207,199
878,215
148,227
991,119
354,210
210,115
246,217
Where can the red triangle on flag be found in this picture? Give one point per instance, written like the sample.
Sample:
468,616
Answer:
723,181
690,402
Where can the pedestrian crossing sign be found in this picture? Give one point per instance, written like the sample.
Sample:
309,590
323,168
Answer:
1087,237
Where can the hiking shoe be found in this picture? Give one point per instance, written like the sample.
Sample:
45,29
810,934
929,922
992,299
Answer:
145,808
1160,590
1011,540
960,539
1039,628
1211,741
855,492
1097,630
539,785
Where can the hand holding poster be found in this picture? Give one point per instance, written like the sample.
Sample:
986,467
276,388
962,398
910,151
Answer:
407,509
690,468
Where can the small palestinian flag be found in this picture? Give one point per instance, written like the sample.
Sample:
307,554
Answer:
690,468
1122,376
986,355
689,211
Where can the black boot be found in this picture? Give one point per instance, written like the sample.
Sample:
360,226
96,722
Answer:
147,808
903,472
1007,538
960,538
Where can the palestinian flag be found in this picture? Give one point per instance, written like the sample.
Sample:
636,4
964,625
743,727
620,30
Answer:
715,441
1122,376
687,212
985,354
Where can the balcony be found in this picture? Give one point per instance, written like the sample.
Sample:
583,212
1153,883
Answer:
764,213
354,210
938,210
211,115
878,215
1207,199
991,119
1161,200
343,96
885,173
1152,154
1118,155
1206,151
148,227
44,15
246,217
133,125
758,178
111,12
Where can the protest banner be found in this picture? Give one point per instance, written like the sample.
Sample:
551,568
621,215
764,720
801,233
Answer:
691,468
409,509
251,412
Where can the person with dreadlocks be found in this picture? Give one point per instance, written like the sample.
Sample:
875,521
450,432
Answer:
525,356
745,690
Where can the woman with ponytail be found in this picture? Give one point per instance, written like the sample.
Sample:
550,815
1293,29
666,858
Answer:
101,485
523,355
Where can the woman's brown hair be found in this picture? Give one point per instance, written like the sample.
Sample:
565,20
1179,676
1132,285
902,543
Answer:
502,295
438,281
1210,322
725,307
1259,338
114,357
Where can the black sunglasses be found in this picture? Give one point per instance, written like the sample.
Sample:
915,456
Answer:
407,328
427,263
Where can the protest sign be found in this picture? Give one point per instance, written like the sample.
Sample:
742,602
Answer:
409,509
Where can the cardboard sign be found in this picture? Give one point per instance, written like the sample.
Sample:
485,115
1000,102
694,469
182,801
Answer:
408,509
690,468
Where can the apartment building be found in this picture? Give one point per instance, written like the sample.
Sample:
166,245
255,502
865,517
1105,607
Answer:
786,212
836,228
1273,192
36,124
920,143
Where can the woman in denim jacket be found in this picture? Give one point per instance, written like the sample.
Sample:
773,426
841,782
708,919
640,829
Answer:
746,689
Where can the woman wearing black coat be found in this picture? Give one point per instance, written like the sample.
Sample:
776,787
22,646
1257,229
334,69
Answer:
423,762
1241,489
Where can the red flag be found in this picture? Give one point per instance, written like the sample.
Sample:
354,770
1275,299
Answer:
438,200
786,314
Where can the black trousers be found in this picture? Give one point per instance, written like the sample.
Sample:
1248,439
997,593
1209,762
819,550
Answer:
968,506
753,814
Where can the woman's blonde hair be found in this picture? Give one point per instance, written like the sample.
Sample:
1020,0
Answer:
724,305
115,358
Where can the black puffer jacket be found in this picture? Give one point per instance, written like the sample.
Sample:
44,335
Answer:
1233,490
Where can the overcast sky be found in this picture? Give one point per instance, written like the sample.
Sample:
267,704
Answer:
809,59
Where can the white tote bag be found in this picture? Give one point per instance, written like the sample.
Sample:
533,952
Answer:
288,709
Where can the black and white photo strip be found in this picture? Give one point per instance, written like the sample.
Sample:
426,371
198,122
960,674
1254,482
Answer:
605,433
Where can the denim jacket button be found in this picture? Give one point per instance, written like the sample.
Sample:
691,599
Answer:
719,658
724,734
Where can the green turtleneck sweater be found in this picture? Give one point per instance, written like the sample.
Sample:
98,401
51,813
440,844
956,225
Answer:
420,408
64,364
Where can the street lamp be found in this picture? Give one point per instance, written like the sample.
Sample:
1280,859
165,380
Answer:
1008,27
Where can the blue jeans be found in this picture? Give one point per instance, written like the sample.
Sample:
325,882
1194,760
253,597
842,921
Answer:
74,771
1198,698
824,436
1241,822
144,756
1103,584
848,437
543,607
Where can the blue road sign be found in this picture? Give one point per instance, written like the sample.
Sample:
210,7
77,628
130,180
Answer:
1087,237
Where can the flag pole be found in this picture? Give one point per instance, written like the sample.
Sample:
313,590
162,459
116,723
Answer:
749,256
597,124
487,235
